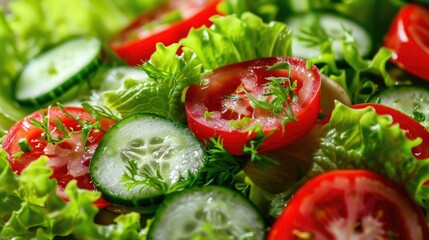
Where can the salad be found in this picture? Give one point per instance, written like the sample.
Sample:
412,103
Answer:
214,119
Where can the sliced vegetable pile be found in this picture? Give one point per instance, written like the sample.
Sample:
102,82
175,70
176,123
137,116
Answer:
214,120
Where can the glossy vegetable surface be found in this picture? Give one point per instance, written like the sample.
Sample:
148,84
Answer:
350,204
408,37
225,105
60,135
255,114
412,128
167,24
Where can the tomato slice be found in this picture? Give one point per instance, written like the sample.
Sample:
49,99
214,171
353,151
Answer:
408,37
351,204
222,108
412,128
68,159
137,41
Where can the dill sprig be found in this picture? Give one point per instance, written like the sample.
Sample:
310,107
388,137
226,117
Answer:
60,133
251,149
45,125
418,115
220,166
313,34
155,73
97,111
158,75
281,91
146,179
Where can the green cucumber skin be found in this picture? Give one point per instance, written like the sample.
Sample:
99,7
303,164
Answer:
66,86
83,75
96,169
172,202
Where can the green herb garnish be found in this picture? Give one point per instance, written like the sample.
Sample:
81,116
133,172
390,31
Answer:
146,179
280,89
251,149
24,145
220,167
418,115
61,133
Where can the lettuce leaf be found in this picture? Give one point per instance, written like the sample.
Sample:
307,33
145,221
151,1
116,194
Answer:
31,208
41,23
362,139
360,77
268,10
11,59
375,16
229,40
29,26
161,91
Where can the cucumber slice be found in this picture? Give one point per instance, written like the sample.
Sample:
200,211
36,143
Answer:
210,212
332,26
407,99
53,72
113,79
141,151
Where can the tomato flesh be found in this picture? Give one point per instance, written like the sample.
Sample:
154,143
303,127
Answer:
350,204
222,108
68,159
408,37
137,41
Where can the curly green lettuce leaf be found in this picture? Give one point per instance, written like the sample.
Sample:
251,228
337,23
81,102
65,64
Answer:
41,23
362,139
268,10
29,26
360,77
31,208
229,40
168,75
375,16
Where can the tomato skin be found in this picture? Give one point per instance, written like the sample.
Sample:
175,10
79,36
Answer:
343,203
411,127
227,79
68,159
408,38
135,51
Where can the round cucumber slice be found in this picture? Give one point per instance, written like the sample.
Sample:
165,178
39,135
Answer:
142,156
55,71
210,212
325,25
113,79
407,99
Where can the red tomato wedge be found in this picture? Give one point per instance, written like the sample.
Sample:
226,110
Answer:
137,41
222,107
412,128
408,37
351,204
68,159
